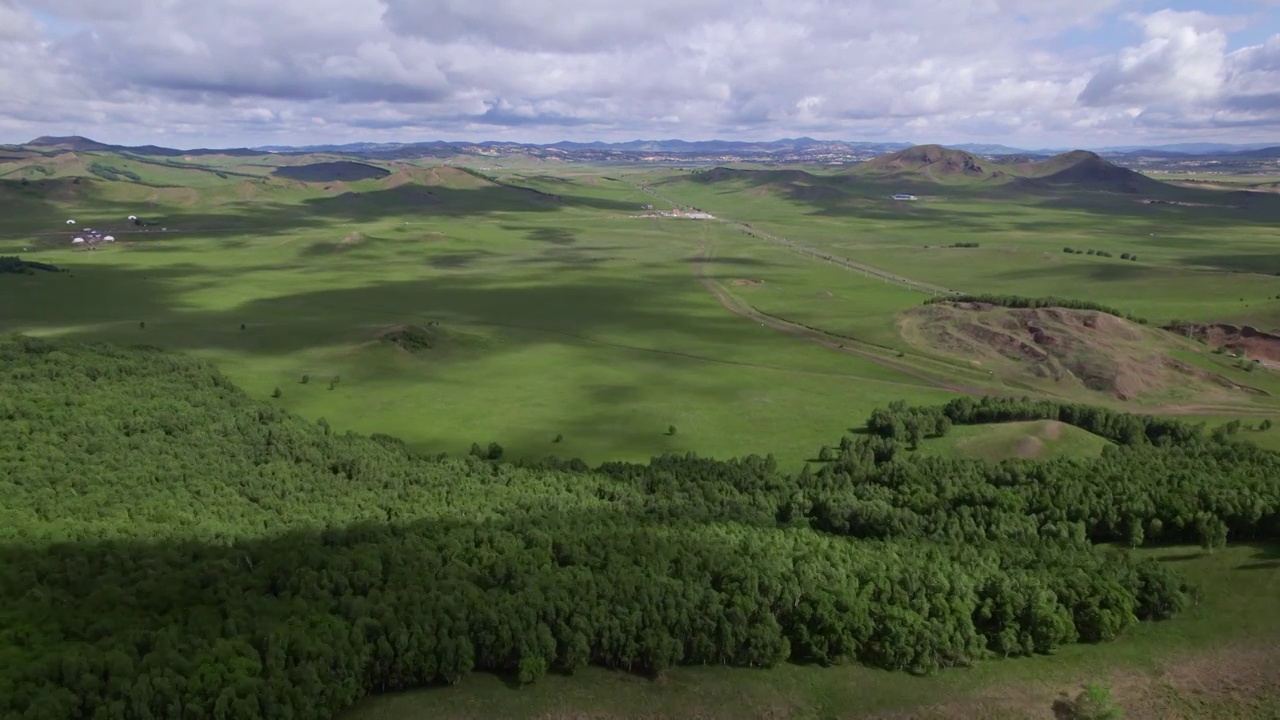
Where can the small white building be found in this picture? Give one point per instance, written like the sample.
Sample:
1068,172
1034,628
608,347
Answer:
132,217
71,222
108,238
78,241
904,196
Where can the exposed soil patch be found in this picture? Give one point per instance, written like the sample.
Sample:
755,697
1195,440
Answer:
1074,348
412,339
1204,685
1052,430
1029,447
1251,342
825,295
747,282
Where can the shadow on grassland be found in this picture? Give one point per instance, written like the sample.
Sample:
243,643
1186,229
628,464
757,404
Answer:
1101,270
108,302
266,215
868,198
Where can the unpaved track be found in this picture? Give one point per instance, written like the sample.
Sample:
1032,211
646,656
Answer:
745,310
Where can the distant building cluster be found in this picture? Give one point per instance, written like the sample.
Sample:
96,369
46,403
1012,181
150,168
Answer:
904,196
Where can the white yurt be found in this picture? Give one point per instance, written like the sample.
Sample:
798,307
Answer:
78,241
132,217
108,238
71,222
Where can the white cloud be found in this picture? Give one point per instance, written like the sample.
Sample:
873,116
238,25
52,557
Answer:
295,71
1181,61
1182,77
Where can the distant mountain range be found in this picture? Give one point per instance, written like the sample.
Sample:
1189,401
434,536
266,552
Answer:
802,149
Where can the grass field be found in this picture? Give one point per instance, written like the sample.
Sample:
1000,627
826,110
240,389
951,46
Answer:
579,320
1042,439
555,300
1155,672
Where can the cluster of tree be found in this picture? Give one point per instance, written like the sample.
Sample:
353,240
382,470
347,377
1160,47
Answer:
17,266
1099,253
964,245
1018,301
170,548
108,172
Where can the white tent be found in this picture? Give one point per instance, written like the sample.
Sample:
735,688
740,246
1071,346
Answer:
108,239
78,241
71,222
132,217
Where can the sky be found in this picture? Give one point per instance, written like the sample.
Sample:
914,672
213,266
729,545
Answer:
1026,73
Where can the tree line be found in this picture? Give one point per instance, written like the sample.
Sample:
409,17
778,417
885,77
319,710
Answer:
1020,302
18,266
175,549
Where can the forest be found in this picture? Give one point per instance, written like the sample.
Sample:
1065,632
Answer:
172,548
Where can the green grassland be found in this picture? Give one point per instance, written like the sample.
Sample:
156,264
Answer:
576,318
533,269
1214,261
1041,439
1208,259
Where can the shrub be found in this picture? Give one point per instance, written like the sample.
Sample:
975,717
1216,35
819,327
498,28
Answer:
1094,703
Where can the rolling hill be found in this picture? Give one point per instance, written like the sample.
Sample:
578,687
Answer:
932,162
922,167
1086,171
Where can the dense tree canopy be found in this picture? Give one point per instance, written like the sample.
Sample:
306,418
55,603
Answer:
170,548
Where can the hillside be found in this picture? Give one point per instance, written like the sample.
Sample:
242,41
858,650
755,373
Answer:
71,142
932,162
1083,170
1065,351
1040,439
167,533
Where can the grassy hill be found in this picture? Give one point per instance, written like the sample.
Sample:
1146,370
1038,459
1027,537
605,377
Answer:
930,170
931,162
1040,439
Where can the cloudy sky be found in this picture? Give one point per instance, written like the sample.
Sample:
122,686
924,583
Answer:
1022,72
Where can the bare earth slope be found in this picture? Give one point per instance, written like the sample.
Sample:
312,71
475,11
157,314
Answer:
1071,351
